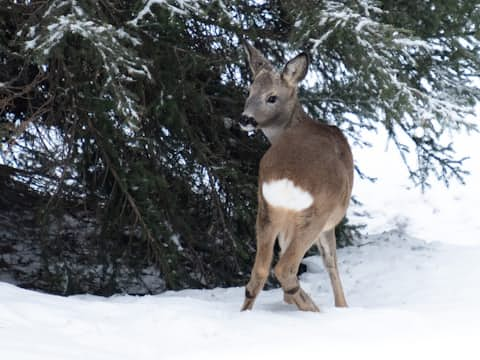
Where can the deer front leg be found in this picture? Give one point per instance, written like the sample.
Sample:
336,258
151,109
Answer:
286,272
265,241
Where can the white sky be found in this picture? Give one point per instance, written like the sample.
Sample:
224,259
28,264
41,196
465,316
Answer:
441,212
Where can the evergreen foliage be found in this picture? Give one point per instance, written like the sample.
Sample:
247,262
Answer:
121,114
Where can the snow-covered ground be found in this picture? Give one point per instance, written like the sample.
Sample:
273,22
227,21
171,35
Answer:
448,215
412,286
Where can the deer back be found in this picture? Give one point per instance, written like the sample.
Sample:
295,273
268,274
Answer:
315,158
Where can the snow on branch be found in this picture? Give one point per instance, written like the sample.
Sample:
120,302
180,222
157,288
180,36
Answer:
388,53
373,55
113,45
179,7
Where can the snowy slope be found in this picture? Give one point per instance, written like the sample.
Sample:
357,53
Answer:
407,298
440,214
412,287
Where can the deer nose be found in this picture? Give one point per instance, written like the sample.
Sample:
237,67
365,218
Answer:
248,123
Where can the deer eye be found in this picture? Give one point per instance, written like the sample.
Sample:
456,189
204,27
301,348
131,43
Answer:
272,99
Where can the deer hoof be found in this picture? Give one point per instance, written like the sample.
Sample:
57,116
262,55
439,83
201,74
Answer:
288,299
341,304
247,304
304,302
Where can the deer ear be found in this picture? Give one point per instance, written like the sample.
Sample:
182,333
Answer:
296,69
256,60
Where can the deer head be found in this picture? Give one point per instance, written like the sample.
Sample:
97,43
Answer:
272,102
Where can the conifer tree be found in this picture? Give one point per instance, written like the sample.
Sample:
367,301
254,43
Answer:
122,116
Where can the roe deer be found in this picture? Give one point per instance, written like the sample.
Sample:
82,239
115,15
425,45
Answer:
304,185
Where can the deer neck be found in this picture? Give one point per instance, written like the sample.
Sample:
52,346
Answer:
274,132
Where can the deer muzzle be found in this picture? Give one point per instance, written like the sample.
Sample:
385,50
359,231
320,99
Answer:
247,123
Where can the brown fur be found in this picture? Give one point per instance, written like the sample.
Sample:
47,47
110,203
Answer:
318,159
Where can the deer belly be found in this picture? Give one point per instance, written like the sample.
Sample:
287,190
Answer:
285,194
283,242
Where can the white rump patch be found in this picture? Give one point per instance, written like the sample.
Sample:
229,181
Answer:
283,193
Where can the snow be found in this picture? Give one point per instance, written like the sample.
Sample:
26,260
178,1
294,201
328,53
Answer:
411,284
107,40
441,214
405,296
122,34
413,43
179,7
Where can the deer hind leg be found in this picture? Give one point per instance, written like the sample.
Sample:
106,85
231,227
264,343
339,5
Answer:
284,239
286,272
266,236
328,249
